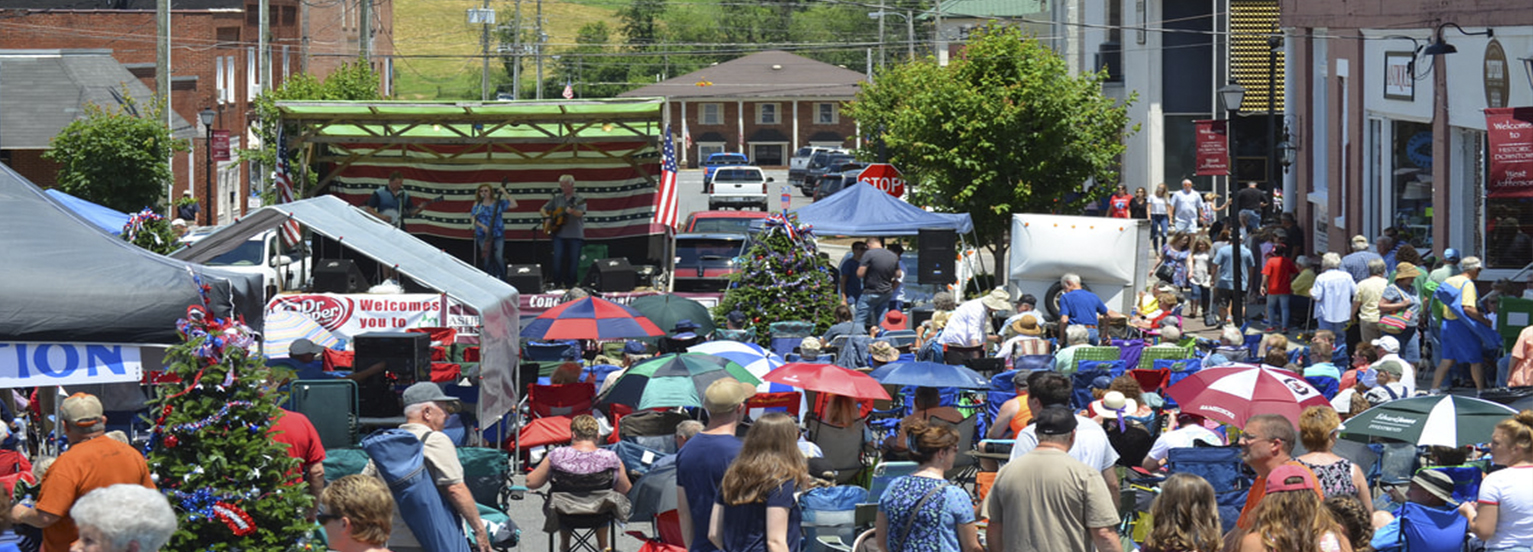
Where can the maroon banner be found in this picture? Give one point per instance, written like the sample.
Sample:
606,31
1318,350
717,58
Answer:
221,145
1510,131
1213,145
536,303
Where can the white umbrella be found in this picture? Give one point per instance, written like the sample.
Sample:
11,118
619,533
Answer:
757,360
284,327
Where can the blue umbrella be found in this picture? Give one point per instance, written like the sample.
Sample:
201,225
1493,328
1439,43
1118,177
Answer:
590,318
929,374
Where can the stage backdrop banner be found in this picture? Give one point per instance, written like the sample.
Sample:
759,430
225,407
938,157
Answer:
1510,131
1213,143
351,314
619,190
29,364
535,303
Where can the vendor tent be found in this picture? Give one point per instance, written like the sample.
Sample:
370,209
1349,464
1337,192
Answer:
64,280
863,210
333,218
105,218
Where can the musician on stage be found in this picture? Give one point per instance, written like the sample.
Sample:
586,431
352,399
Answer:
490,226
564,220
392,204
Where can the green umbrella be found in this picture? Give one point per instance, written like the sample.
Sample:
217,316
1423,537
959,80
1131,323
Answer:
1445,420
672,380
666,309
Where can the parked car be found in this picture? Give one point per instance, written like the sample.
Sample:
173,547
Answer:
705,261
834,182
798,165
722,159
738,186
821,167
721,222
262,254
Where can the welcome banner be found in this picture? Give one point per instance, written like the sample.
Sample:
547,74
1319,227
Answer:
1213,143
1510,133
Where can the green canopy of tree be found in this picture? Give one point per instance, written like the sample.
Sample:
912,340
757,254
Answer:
1003,128
353,80
117,157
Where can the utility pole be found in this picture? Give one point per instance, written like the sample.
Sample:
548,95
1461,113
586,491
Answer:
303,44
484,40
516,53
541,39
365,48
910,34
162,82
263,45
881,59
1274,42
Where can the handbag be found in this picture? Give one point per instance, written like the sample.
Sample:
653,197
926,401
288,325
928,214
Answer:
1395,323
1165,272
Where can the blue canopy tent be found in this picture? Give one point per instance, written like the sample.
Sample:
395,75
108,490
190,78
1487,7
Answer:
863,210
105,218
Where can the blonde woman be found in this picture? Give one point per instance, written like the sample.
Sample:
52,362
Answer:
1184,517
1160,216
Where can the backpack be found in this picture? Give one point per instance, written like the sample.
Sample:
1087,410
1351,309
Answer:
401,461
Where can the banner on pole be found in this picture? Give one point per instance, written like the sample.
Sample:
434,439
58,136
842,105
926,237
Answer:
1510,133
1213,143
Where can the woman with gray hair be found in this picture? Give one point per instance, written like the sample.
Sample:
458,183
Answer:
123,518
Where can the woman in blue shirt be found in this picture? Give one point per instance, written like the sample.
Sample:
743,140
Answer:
921,511
490,227
757,509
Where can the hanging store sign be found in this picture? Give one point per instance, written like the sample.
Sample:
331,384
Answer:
1510,133
1399,76
1213,143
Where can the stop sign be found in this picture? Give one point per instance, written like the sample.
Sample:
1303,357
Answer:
884,177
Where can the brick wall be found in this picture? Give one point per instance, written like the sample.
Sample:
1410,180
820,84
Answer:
30,163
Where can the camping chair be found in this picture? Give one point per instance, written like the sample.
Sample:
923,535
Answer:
791,402
547,351
1087,371
1326,385
1222,468
830,511
583,504
744,336
571,399
1179,370
885,473
842,447
1397,463
654,429
963,463
1466,481
1426,529
787,335
900,339
1149,355
1086,354
668,537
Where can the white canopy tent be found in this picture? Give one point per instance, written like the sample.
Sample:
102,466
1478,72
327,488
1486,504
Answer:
333,218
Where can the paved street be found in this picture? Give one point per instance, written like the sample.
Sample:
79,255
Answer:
692,199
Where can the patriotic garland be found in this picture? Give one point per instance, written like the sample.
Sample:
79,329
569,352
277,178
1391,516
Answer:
137,221
779,222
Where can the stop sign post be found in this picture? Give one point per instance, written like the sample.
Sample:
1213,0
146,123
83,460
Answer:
884,177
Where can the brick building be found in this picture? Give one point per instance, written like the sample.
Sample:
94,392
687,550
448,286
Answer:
765,105
213,65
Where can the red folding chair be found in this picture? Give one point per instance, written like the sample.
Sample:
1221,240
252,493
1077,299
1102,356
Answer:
571,399
445,372
789,400
667,537
440,337
1151,380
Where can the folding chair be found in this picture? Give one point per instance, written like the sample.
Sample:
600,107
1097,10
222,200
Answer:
1179,370
1222,468
842,447
830,511
567,492
668,537
791,402
571,399
653,429
787,334
1085,354
1088,371
1397,463
547,351
1466,481
1426,529
963,463
885,473
1326,385
1148,357
899,338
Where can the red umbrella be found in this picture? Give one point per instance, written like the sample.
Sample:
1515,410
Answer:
590,318
1232,394
828,378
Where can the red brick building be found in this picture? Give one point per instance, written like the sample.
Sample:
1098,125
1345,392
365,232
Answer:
765,105
213,65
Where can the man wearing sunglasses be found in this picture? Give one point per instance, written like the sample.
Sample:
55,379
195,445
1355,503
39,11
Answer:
1266,444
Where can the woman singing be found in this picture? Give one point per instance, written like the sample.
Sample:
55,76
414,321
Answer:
490,227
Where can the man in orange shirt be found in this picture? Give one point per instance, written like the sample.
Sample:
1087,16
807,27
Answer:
92,462
1266,443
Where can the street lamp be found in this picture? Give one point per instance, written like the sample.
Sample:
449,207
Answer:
1231,95
207,116
910,31
1439,46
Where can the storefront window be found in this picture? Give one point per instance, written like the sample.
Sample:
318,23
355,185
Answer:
1412,183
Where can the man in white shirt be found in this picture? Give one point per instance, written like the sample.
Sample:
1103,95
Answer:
1184,208
1389,347
969,327
1091,446
1188,433
1332,294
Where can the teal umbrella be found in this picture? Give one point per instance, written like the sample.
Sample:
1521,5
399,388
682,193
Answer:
673,380
666,309
1445,420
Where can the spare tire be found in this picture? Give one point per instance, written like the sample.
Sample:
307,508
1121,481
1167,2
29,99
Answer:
1051,298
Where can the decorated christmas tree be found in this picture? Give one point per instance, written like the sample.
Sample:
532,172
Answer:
233,487
782,277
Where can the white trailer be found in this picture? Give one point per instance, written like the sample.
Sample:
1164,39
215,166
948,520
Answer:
1111,255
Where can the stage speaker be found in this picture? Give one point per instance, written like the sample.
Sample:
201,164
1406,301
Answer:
338,276
408,354
613,274
919,315
938,255
526,278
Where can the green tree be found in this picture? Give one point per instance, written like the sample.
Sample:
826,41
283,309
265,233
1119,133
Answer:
118,157
150,231
351,81
782,277
594,66
211,452
1002,129
641,23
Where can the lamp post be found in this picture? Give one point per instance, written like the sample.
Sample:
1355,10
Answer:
207,116
1274,44
910,30
1230,96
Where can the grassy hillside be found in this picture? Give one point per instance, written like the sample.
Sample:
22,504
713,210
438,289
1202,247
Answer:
439,27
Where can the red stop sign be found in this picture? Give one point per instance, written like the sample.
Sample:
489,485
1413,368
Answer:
884,177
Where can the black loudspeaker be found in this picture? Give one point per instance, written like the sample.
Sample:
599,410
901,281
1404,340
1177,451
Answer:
408,354
614,274
919,315
526,278
338,276
938,255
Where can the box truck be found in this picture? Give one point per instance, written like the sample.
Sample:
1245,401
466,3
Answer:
1111,255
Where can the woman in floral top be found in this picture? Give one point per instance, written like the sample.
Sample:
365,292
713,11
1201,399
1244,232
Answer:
490,227
944,521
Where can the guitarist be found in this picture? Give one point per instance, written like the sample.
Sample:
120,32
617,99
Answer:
392,204
564,220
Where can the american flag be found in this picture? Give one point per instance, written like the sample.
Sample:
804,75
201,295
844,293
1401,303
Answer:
290,232
569,91
665,201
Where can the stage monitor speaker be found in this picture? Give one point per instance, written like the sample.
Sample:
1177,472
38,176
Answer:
613,274
338,276
526,278
938,256
919,315
408,354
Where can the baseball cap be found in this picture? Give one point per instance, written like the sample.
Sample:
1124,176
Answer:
724,394
81,409
1289,477
1055,420
302,346
1388,344
1451,255
1392,367
1435,482
424,392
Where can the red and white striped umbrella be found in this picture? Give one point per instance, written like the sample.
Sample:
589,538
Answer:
1233,393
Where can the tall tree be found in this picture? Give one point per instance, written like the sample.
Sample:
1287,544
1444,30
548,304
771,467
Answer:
351,81
117,157
1002,129
641,23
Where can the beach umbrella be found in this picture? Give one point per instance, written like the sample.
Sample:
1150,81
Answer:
929,374
281,328
1233,393
666,309
828,378
590,318
673,380
756,359
654,493
1445,420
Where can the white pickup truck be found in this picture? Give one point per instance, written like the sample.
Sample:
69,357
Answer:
738,186
1111,255
261,254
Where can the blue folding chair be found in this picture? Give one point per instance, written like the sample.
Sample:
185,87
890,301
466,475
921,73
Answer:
1087,371
1180,369
1326,385
1222,468
1425,529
